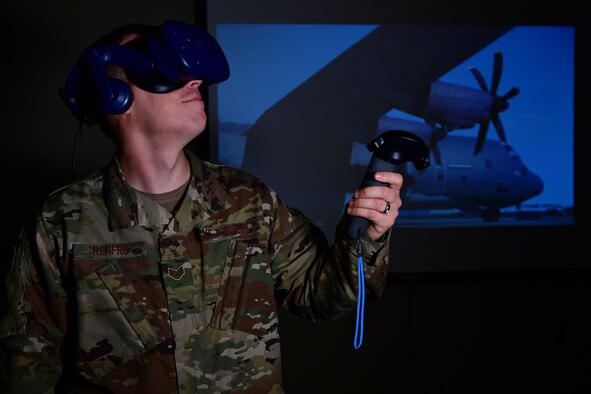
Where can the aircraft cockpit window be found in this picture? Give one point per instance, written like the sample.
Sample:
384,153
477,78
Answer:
511,152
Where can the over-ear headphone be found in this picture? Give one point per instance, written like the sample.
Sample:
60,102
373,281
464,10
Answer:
174,54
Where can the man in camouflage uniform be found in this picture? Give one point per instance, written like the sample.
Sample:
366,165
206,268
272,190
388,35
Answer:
163,273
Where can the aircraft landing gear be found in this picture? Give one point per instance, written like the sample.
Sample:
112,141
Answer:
491,215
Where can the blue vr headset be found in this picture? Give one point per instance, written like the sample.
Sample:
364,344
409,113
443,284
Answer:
175,54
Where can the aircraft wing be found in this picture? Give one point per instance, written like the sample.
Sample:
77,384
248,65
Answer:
301,146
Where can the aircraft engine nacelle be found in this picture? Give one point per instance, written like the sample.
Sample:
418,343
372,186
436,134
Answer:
457,106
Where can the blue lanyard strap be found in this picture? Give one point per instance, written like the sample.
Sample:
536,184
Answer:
360,298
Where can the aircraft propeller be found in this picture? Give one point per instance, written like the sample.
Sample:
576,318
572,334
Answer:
437,133
499,104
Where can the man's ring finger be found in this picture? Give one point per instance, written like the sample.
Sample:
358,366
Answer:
387,209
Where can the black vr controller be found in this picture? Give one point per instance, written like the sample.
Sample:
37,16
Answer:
390,150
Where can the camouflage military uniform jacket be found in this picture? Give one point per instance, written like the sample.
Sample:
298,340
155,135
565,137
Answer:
109,294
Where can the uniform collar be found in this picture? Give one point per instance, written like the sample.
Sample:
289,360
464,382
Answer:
205,196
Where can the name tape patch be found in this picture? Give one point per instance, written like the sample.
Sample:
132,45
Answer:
230,230
110,250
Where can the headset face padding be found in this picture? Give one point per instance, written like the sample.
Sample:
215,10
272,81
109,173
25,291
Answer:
176,54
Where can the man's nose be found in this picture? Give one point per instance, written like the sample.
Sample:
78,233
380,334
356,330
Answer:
194,84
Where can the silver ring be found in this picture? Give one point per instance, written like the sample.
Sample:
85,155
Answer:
387,209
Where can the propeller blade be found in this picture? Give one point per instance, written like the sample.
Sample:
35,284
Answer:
437,133
434,147
496,121
482,131
510,94
479,78
437,155
497,71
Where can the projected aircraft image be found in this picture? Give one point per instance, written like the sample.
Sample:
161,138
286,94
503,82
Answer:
451,85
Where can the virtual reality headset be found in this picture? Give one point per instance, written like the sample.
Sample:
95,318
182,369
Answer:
174,54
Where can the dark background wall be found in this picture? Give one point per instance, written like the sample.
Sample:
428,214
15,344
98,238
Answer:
516,332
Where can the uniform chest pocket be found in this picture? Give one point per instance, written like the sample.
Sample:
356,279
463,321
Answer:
245,285
115,324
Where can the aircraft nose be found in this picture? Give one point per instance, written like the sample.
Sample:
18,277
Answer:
533,185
